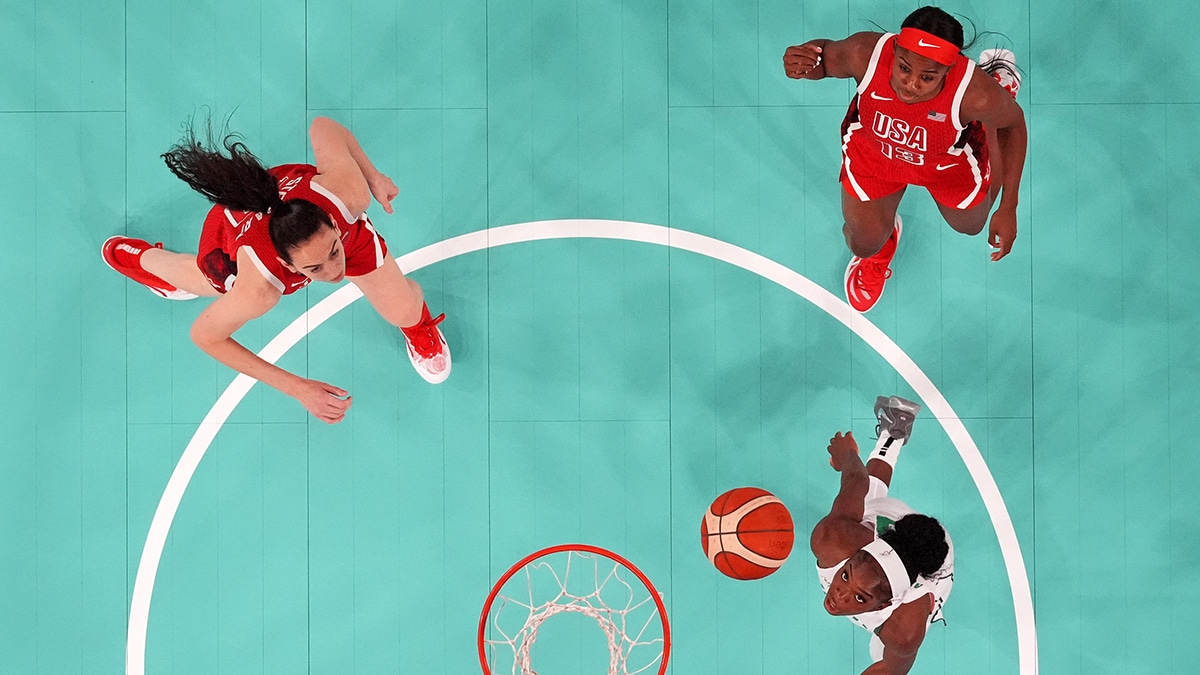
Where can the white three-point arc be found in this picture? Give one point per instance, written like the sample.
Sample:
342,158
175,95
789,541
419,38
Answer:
143,588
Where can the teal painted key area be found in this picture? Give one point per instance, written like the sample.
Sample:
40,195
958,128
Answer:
604,390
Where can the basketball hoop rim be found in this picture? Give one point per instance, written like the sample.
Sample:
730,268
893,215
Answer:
586,548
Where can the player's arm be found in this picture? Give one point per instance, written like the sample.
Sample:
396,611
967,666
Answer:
251,297
988,102
817,59
345,170
839,534
902,635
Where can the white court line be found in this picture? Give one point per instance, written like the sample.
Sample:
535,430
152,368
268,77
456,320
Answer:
1010,548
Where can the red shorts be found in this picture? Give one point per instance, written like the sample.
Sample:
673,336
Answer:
958,185
958,178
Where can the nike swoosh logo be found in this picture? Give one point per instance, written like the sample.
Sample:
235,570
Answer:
943,168
879,98
922,43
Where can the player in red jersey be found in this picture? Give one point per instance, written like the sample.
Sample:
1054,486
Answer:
923,114
270,233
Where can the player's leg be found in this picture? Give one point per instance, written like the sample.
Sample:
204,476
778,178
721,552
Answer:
895,416
872,230
397,298
129,255
970,221
869,225
178,269
401,302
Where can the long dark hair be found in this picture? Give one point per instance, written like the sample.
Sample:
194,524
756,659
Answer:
228,174
920,542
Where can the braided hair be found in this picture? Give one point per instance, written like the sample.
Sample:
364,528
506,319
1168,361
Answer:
920,542
228,174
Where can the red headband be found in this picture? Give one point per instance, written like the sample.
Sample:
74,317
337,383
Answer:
928,45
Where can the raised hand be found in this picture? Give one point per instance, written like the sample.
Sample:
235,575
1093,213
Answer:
801,62
384,190
843,451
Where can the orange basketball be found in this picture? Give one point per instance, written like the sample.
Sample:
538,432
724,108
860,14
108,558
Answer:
747,533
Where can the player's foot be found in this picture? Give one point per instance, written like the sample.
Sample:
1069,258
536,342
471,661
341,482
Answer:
865,277
124,254
1002,65
427,348
895,416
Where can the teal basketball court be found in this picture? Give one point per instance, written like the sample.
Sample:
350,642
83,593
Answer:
605,390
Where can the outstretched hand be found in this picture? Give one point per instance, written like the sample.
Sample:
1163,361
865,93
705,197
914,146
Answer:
843,451
325,401
1002,232
801,61
384,190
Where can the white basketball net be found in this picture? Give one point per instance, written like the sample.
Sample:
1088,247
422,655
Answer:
581,582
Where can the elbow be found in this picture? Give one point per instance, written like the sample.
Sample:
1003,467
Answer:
198,337
202,336
319,124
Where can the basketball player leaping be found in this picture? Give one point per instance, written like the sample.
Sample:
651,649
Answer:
269,233
885,567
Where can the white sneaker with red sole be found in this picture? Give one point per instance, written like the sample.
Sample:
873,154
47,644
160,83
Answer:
124,254
865,277
427,348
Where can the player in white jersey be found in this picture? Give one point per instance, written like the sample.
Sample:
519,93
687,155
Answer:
882,565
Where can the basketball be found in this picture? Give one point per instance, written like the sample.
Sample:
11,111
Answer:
747,533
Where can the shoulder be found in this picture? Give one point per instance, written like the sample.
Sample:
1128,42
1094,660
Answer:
852,56
253,292
904,630
262,278
986,101
836,538
327,191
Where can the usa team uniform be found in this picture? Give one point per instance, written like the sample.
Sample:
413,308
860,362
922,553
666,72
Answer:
227,231
887,144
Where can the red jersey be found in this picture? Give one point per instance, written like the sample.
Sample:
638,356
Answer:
887,143
227,231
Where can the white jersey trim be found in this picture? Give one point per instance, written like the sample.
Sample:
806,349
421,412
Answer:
263,268
958,95
854,126
378,245
866,81
345,212
973,161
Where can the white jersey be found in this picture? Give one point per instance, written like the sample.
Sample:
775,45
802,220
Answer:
879,514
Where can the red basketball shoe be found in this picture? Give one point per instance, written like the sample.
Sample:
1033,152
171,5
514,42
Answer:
1002,65
865,277
124,254
427,348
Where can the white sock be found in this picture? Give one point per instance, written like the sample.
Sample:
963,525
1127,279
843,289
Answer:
887,449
